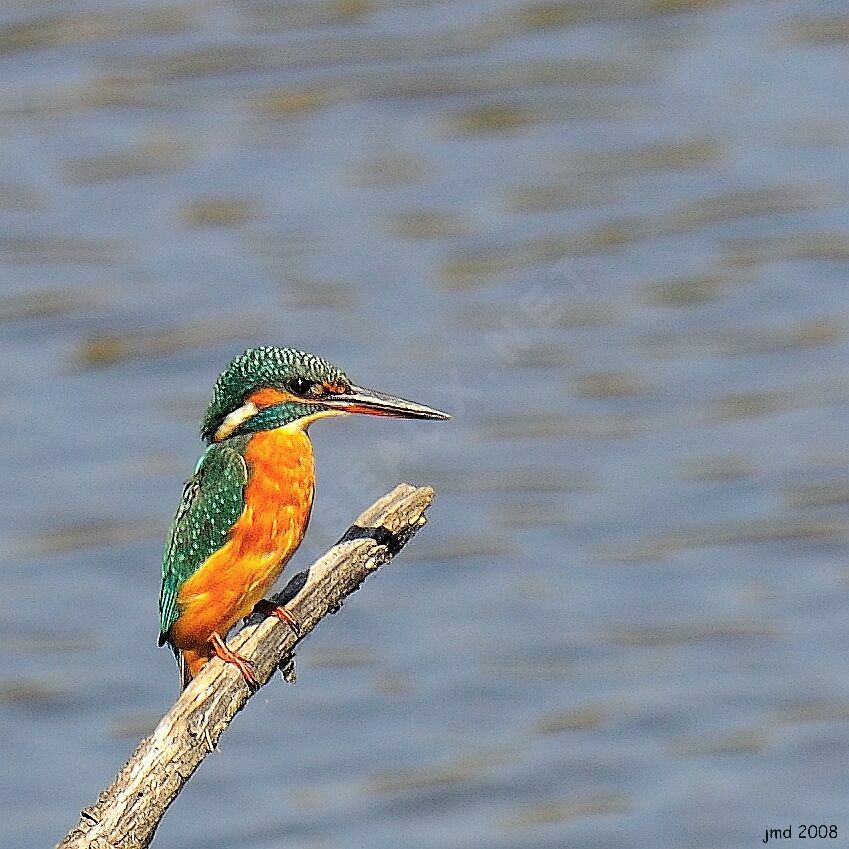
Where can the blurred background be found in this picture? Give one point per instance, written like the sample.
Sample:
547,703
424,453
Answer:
611,237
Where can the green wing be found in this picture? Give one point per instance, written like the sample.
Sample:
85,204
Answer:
213,500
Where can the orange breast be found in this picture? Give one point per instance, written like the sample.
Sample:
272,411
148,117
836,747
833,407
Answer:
278,500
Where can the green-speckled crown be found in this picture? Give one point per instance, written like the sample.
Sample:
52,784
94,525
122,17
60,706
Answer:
258,368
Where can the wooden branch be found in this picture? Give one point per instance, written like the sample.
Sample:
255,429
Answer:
127,813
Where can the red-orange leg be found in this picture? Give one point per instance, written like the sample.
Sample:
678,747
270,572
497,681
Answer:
219,647
268,608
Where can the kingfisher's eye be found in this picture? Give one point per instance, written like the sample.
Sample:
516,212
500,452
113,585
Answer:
305,388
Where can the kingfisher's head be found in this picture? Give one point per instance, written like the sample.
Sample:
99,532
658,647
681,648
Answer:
266,388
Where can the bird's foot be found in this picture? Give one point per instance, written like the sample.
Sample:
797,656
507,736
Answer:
269,608
219,648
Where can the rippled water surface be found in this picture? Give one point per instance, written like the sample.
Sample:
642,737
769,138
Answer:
611,238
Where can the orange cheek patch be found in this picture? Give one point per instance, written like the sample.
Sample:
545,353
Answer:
335,387
268,397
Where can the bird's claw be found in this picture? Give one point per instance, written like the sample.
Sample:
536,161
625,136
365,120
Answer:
245,666
269,608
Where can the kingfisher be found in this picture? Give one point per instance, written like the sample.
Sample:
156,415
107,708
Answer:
246,508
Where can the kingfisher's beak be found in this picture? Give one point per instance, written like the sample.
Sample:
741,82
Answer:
373,403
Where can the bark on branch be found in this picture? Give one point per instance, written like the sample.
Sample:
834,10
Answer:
127,813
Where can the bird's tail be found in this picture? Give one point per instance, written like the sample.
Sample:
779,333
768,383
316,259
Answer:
182,668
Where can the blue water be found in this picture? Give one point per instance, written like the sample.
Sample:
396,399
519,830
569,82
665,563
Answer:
611,238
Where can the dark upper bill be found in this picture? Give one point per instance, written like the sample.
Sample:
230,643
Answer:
373,403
